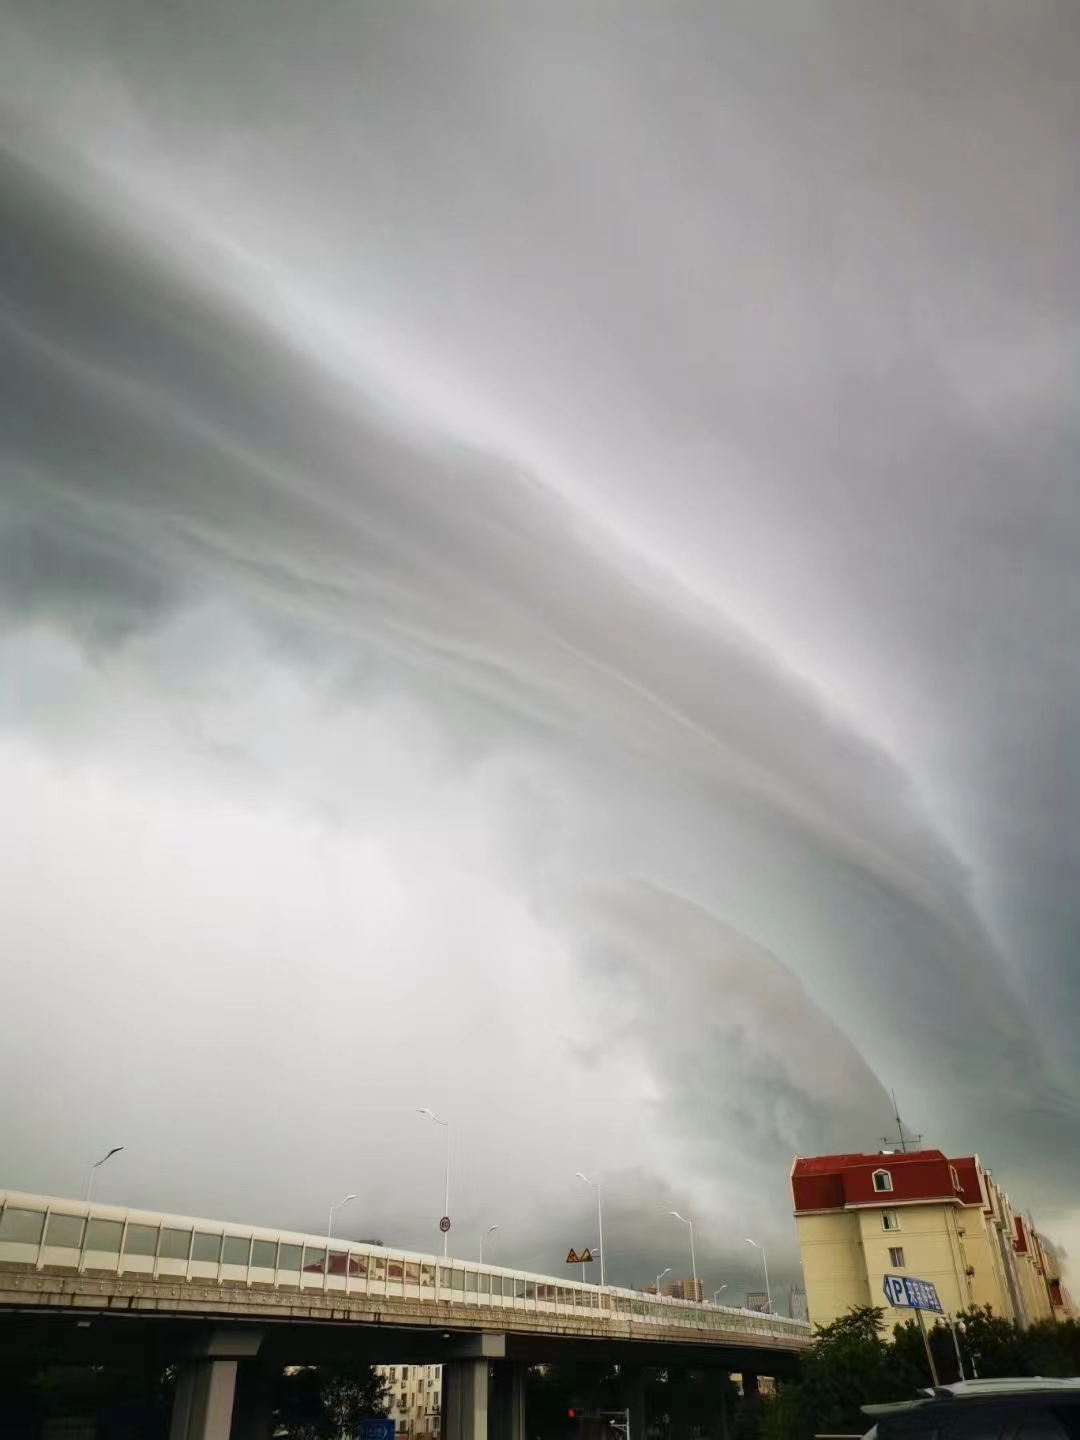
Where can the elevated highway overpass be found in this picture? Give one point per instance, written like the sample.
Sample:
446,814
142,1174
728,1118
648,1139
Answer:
83,1281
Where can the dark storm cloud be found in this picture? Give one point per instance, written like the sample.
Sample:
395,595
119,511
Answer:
740,1016
194,423
697,396
75,579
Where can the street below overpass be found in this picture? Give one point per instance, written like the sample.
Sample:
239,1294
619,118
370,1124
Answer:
225,1369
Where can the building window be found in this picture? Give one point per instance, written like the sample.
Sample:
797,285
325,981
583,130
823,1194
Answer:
955,1177
882,1180
890,1220
896,1257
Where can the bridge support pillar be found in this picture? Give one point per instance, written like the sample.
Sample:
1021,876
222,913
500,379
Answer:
465,1399
206,1385
508,1400
633,1396
203,1404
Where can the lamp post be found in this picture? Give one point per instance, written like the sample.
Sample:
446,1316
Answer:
717,1292
423,1110
599,1218
666,1271
329,1227
488,1231
693,1257
765,1263
96,1167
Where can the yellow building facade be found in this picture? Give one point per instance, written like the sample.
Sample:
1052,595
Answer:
918,1213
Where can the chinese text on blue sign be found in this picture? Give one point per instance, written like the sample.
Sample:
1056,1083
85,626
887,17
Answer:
918,1294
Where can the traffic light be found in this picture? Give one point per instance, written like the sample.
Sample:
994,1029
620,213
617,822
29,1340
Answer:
572,1413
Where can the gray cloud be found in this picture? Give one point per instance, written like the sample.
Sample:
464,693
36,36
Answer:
600,447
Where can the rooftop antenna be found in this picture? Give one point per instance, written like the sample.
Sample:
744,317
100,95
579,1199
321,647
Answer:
904,1141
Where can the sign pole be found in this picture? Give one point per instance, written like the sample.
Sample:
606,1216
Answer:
956,1346
929,1355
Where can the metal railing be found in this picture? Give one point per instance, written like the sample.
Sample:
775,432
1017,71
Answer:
43,1233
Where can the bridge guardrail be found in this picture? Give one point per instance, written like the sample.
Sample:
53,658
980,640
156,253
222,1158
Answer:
51,1234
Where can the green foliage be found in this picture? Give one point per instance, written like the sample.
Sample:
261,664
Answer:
910,1354
995,1346
322,1402
851,1364
1053,1348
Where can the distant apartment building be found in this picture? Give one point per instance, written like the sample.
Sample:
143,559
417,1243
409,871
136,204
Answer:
414,1398
862,1217
757,1300
678,1290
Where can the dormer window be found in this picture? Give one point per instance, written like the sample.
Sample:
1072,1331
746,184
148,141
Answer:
882,1180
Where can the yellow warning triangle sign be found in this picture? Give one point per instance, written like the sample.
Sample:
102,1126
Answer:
585,1258
573,1259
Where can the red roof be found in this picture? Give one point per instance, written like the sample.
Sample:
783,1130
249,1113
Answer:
816,1164
833,1182
971,1191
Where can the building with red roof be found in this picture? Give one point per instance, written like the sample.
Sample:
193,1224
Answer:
921,1214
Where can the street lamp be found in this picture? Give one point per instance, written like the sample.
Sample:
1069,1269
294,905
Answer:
329,1227
423,1110
488,1231
599,1217
717,1292
666,1271
693,1257
97,1166
765,1262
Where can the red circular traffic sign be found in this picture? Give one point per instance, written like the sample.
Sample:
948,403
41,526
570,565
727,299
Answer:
444,1224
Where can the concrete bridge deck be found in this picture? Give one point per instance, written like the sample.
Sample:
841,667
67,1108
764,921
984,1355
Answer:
81,1280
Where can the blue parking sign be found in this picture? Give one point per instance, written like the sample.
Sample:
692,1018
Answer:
914,1294
377,1429
895,1292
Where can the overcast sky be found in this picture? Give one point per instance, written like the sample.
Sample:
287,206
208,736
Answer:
539,578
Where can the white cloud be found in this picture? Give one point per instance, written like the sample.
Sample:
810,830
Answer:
502,473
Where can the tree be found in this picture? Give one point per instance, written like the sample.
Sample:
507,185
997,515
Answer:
910,1354
1053,1348
849,1364
323,1402
351,1393
991,1345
